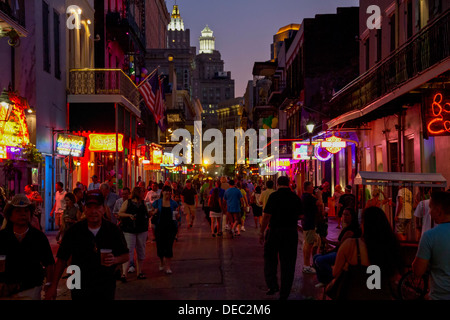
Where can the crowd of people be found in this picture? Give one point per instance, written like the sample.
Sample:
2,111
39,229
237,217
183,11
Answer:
106,234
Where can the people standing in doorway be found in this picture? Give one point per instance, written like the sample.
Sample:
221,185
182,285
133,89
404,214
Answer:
309,225
280,237
189,198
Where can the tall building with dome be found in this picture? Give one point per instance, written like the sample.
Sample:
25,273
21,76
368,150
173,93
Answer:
212,84
177,36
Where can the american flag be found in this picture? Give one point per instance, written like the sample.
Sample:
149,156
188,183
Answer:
160,109
147,90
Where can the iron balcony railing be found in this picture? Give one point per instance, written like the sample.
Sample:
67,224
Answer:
427,48
103,82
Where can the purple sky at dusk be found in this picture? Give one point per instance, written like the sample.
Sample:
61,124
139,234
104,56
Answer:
244,29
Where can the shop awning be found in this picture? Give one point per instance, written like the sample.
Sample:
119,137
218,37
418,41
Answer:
400,179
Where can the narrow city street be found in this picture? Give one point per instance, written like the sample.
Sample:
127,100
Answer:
207,268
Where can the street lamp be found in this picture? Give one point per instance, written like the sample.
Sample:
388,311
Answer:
310,127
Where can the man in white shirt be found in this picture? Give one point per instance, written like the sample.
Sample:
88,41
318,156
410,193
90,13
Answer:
423,218
153,194
60,204
95,184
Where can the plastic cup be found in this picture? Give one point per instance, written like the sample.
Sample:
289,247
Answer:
103,254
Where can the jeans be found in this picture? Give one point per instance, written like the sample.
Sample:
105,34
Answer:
323,264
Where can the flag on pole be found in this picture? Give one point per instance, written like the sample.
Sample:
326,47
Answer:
148,91
160,109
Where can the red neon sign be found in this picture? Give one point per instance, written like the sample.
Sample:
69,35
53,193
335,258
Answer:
437,125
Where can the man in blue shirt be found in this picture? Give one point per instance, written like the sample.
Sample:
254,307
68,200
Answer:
234,199
434,248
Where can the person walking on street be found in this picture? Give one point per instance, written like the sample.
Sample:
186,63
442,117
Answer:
244,208
257,206
189,199
309,225
266,193
151,196
71,214
29,259
83,245
79,197
95,184
215,205
110,199
166,227
234,200
60,205
280,218
134,217
434,248
37,200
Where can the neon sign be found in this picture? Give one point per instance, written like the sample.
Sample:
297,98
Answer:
70,145
156,157
437,125
322,154
283,164
333,144
105,142
300,150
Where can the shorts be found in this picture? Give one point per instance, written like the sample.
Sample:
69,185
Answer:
310,236
189,209
136,241
401,225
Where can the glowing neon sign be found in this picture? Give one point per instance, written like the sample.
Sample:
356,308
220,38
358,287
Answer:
283,164
437,125
67,144
333,144
105,142
322,154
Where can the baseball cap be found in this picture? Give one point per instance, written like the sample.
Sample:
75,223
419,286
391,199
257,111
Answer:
348,187
20,201
95,197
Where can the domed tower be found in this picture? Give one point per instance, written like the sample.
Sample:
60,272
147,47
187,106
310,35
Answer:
207,41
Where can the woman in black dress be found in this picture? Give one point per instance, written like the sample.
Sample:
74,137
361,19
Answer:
165,227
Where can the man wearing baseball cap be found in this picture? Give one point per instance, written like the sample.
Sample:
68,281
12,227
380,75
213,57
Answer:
83,244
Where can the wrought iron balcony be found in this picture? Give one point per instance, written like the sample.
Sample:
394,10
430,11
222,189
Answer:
103,82
427,48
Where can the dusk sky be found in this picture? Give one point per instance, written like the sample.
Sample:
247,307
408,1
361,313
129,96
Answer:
244,29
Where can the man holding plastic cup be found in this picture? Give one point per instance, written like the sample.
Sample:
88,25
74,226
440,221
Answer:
97,247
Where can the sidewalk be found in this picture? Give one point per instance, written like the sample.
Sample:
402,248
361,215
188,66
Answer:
207,268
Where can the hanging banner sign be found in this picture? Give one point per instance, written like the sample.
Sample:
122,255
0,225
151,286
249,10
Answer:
105,142
72,145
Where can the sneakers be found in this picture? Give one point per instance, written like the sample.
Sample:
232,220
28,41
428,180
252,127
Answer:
309,270
161,267
131,269
242,228
227,227
168,271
